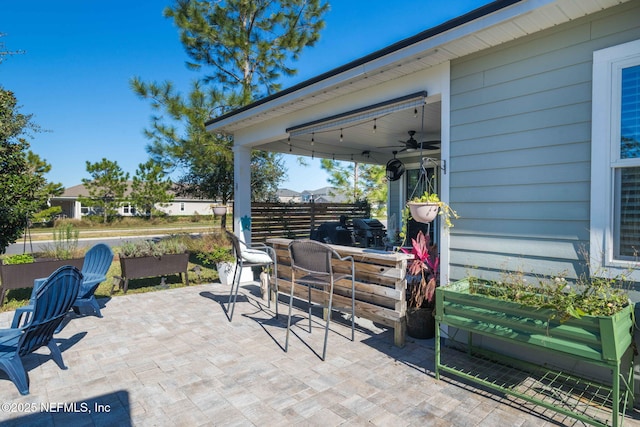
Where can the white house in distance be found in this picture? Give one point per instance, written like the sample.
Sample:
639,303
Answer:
524,112
72,208
321,195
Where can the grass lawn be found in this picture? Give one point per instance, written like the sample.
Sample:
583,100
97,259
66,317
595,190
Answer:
130,227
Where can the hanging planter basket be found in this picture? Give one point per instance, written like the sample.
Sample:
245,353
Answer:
424,212
220,210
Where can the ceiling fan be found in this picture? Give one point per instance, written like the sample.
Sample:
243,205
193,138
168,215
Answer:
411,144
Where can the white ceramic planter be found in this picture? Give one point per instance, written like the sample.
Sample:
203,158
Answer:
423,212
225,273
219,210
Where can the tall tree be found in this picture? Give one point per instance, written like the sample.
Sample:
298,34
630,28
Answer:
244,46
344,177
23,187
358,182
4,52
150,187
106,187
180,140
374,186
266,173
39,166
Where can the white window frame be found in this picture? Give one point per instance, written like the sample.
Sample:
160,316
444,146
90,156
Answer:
605,156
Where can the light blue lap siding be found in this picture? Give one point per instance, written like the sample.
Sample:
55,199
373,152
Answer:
520,148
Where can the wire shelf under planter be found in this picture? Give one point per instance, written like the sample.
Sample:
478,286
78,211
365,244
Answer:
566,394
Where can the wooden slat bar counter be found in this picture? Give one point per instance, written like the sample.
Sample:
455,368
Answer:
380,284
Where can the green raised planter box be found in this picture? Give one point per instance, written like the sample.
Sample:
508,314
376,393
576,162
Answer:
590,337
600,340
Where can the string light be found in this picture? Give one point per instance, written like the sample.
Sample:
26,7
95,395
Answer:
303,149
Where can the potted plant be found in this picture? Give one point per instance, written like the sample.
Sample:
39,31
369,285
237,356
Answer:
148,258
223,259
215,249
423,276
424,209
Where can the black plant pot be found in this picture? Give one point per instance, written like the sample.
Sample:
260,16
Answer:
420,323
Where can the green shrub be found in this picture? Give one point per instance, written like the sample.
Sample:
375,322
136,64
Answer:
143,248
46,216
212,248
18,259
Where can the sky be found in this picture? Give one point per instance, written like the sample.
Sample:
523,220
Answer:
80,55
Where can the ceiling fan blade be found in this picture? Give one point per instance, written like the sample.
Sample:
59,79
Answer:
430,145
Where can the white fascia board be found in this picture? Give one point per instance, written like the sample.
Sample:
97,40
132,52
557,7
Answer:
424,47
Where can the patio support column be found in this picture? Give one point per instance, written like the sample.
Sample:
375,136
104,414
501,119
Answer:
241,190
76,211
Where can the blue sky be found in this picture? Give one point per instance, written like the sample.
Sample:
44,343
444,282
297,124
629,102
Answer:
80,55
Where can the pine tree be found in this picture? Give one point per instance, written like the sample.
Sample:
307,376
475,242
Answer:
23,187
106,187
242,48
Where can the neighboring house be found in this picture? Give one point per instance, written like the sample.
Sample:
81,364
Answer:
288,196
322,195
72,208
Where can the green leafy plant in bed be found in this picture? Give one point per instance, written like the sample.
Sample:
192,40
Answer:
145,248
18,259
592,295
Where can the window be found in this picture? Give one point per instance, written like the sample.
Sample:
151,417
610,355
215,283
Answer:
615,158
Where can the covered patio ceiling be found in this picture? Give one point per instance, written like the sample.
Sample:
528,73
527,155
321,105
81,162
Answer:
368,138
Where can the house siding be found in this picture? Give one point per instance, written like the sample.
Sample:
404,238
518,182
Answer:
520,148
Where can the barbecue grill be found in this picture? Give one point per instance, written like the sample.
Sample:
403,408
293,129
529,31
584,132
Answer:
368,232
334,233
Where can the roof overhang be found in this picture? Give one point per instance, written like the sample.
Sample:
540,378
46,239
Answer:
491,25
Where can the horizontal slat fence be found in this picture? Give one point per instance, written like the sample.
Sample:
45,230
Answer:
296,220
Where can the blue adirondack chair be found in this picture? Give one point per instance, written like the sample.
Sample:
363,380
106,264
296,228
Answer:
52,302
94,271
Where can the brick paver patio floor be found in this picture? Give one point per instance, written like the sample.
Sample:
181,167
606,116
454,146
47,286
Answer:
171,358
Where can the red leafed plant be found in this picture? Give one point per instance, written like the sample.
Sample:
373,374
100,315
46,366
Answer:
426,265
